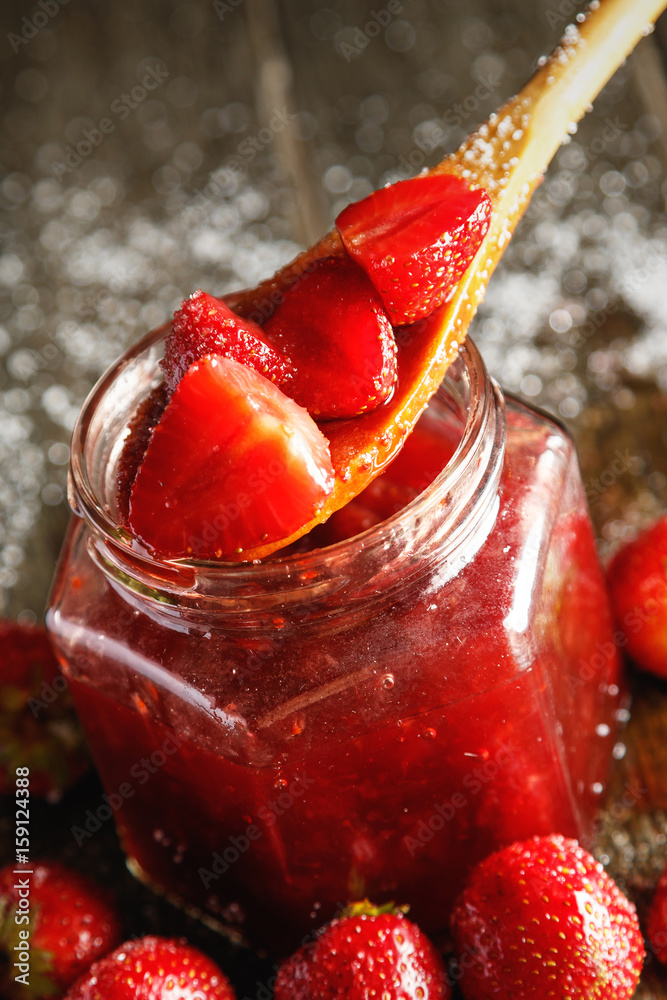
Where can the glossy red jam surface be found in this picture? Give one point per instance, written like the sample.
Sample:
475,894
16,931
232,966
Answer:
267,771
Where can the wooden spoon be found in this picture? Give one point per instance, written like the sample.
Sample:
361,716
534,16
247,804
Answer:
507,156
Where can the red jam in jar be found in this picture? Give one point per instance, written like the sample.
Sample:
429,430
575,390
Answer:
361,716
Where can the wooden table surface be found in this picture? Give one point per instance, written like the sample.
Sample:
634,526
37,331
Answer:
358,106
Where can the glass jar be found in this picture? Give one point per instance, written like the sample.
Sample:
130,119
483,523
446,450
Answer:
369,718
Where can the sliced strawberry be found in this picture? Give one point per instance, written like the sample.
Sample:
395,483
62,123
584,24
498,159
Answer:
206,325
415,240
232,463
334,330
140,429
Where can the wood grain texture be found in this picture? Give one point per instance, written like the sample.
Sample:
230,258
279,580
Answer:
632,832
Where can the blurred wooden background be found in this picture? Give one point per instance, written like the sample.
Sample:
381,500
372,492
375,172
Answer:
259,120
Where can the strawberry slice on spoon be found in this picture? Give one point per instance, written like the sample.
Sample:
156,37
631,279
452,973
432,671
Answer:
334,329
415,240
232,460
506,157
329,345
206,325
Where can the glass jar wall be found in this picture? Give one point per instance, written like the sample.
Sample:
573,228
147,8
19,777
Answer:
363,716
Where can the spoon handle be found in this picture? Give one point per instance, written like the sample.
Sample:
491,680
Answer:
507,155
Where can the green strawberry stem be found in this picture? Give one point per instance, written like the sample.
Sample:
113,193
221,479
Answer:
364,908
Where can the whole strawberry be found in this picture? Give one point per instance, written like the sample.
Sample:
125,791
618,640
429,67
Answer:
54,924
38,728
657,921
369,952
153,968
543,919
637,579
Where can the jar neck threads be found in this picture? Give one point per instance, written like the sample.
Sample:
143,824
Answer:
447,522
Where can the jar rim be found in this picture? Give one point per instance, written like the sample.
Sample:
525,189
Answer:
182,575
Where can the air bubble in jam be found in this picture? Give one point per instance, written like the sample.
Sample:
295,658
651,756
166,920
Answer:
388,682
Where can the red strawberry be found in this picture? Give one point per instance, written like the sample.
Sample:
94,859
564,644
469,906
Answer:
543,919
233,463
153,968
657,920
637,579
415,240
206,325
333,328
70,926
38,728
140,430
369,952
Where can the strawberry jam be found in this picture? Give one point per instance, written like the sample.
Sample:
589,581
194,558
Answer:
426,677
